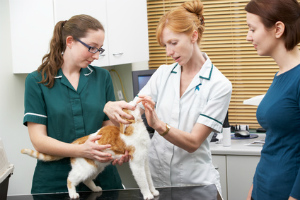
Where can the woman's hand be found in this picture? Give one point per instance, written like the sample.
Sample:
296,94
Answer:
150,113
250,193
125,158
114,110
95,151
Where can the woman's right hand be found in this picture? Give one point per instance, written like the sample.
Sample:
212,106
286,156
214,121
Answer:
250,193
94,151
114,110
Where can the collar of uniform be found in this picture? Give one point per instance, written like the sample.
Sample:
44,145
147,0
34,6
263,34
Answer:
206,70
84,73
176,68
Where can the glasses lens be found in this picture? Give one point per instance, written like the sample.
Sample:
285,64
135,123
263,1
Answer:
93,49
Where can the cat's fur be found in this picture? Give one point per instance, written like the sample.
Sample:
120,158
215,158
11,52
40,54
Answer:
133,137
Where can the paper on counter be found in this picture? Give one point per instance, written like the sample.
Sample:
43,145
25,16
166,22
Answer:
256,143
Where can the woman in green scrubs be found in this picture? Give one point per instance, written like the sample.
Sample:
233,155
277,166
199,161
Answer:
64,100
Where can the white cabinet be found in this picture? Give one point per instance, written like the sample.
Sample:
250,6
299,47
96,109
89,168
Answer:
236,174
32,23
65,9
240,172
127,31
219,163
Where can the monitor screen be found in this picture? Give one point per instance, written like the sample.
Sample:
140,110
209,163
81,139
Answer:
140,79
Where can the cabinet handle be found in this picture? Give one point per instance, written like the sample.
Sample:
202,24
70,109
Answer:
216,167
102,55
118,54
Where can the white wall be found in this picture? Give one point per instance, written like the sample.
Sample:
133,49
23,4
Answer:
12,132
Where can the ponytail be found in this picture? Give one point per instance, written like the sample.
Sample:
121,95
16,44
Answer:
53,61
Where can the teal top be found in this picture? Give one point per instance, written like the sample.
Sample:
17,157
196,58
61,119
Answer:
68,114
277,174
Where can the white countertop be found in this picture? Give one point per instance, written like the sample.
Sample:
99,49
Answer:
238,147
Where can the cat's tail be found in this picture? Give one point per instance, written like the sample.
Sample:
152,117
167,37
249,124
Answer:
40,156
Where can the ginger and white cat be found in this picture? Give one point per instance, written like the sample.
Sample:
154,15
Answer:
133,137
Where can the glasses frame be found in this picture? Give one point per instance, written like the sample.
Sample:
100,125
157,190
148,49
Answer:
101,50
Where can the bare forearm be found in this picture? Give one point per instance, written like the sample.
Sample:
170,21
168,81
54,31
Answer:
187,141
51,146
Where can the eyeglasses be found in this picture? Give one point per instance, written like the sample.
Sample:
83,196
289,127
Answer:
92,49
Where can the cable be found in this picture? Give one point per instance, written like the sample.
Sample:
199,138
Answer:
120,83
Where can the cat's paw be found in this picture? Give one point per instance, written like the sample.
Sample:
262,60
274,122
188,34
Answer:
155,192
148,196
97,189
74,195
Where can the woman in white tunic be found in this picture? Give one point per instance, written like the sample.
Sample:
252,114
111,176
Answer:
190,97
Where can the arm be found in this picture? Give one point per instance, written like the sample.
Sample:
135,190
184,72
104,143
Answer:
45,144
107,123
250,193
187,141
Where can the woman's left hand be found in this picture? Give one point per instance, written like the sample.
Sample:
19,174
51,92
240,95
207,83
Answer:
292,198
125,158
150,112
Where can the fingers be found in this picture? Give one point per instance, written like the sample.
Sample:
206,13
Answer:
125,158
94,138
102,156
146,101
103,159
114,110
122,120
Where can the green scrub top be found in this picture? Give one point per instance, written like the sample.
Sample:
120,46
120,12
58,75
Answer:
68,115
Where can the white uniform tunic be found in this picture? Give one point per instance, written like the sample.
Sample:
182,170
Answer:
205,101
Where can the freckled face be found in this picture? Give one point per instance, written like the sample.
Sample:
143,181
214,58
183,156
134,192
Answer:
81,56
263,40
178,45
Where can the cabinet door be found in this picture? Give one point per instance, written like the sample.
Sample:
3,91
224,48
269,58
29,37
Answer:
31,23
219,163
65,9
240,172
128,31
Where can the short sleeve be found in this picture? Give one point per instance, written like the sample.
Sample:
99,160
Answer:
35,109
214,112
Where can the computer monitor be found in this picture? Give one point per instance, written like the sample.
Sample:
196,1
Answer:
139,80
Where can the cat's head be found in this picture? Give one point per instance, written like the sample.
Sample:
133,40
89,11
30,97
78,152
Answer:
127,128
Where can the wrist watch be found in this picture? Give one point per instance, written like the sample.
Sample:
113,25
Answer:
166,132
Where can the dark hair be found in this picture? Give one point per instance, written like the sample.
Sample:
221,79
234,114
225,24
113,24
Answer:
272,11
77,27
183,19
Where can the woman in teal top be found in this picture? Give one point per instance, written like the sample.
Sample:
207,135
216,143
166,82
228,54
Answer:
274,30
64,100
